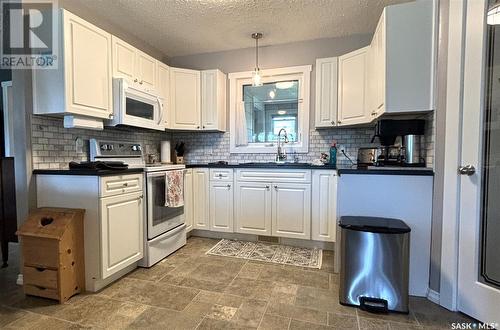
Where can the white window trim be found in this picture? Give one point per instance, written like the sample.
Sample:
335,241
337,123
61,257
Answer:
236,82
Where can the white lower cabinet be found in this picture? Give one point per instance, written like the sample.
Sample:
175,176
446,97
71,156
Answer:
221,206
188,199
291,212
122,219
201,200
253,208
324,205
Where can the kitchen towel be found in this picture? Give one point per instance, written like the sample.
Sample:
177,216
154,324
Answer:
174,188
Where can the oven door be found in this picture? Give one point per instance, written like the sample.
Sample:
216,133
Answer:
160,218
135,107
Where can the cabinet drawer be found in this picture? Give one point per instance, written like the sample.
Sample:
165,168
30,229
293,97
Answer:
292,176
217,174
40,252
41,277
121,184
40,291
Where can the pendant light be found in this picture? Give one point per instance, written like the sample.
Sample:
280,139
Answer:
256,77
493,14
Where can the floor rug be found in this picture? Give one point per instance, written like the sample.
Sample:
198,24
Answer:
280,254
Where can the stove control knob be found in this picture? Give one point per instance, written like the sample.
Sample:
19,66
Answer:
104,147
111,147
136,147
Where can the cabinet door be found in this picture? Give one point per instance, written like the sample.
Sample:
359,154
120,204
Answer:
146,71
185,99
188,199
213,100
352,88
201,202
291,210
124,60
221,206
163,80
121,231
324,206
326,91
379,63
87,57
253,208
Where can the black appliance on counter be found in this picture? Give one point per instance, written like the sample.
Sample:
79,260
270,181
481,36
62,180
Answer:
409,152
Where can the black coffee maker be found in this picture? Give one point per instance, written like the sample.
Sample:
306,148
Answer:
410,151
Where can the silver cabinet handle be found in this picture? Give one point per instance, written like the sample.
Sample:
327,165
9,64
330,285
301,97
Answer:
333,122
267,187
228,186
135,80
374,113
467,170
276,188
125,184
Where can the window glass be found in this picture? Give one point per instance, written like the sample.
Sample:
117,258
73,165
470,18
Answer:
269,108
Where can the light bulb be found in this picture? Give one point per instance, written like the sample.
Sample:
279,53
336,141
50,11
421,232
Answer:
256,78
272,94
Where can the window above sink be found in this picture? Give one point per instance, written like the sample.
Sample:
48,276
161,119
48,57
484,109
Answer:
258,113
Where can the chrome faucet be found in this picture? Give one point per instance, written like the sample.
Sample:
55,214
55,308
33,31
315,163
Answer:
281,153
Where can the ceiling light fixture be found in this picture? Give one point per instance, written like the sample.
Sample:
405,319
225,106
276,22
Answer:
284,84
256,77
493,15
282,112
272,94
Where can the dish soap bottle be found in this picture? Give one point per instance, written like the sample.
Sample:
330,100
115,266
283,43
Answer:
333,153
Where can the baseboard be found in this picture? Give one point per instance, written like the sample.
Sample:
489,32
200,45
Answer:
20,279
248,237
433,296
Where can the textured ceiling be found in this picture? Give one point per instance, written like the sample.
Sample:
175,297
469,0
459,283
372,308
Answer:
183,27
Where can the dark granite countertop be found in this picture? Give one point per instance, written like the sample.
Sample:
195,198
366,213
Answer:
89,172
341,170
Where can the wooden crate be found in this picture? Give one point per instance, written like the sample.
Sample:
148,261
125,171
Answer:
53,253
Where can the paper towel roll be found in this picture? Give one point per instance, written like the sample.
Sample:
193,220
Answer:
165,152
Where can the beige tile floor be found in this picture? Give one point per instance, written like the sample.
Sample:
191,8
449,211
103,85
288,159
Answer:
190,290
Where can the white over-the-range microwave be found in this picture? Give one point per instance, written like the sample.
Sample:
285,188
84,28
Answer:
133,106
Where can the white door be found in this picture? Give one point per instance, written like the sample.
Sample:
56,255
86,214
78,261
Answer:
479,225
122,221
87,55
146,71
201,202
185,105
221,206
188,199
352,99
291,210
326,91
253,208
324,206
124,60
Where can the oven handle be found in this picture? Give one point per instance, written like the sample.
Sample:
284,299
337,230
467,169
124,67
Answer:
160,108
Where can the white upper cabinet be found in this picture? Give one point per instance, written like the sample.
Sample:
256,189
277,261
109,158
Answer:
404,57
197,100
135,66
213,100
326,92
185,105
82,83
352,91
163,89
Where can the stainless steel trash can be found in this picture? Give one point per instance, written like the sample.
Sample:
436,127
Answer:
374,263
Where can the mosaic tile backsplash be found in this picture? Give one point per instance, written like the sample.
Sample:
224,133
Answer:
53,145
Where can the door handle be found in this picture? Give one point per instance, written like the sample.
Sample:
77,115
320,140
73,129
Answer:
467,170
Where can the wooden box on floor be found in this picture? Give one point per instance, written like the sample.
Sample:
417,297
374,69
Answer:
53,255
